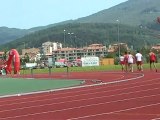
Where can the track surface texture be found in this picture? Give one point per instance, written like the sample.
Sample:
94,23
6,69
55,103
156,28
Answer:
103,96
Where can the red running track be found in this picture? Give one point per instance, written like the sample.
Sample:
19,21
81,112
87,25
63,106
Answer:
104,96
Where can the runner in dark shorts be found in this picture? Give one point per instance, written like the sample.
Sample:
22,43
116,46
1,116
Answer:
153,59
139,62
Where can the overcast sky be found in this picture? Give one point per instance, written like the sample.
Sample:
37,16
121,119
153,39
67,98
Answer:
26,14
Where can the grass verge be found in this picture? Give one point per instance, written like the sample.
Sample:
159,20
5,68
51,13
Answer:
9,86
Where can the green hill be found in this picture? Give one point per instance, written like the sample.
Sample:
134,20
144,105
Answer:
136,22
87,33
132,12
10,34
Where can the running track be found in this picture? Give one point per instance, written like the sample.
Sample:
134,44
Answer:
104,96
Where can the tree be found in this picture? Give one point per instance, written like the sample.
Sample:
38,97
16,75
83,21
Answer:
5,54
26,58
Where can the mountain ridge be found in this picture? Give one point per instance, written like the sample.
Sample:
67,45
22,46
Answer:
130,13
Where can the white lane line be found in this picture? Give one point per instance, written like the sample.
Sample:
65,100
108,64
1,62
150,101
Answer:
75,87
77,95
89,105
114,112
27,97
156,119
79,100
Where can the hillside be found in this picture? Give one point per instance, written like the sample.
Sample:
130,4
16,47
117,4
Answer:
10,34
132,12
136,21
85,34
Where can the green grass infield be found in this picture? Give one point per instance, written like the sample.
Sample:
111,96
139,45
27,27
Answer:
11,86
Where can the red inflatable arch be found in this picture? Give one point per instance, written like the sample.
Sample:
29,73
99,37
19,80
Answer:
15,59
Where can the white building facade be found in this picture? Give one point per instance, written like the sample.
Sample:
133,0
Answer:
48,47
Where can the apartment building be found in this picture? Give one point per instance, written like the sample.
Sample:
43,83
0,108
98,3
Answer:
56,51
114,47
156,47
48,47
71,54
31,52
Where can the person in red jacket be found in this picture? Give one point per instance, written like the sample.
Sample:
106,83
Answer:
153,59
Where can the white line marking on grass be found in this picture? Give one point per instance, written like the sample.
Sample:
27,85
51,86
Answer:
84,86
86,91
90,93
99,84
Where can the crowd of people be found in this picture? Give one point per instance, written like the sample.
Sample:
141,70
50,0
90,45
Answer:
127,60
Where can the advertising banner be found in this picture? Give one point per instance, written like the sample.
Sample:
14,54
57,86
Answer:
31,65
90,61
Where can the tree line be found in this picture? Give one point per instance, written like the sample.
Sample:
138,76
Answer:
84,34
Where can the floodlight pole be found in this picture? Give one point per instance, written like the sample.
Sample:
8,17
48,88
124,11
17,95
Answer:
64,37
119,46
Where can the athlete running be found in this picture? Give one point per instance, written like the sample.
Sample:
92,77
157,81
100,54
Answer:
139,61
153,59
